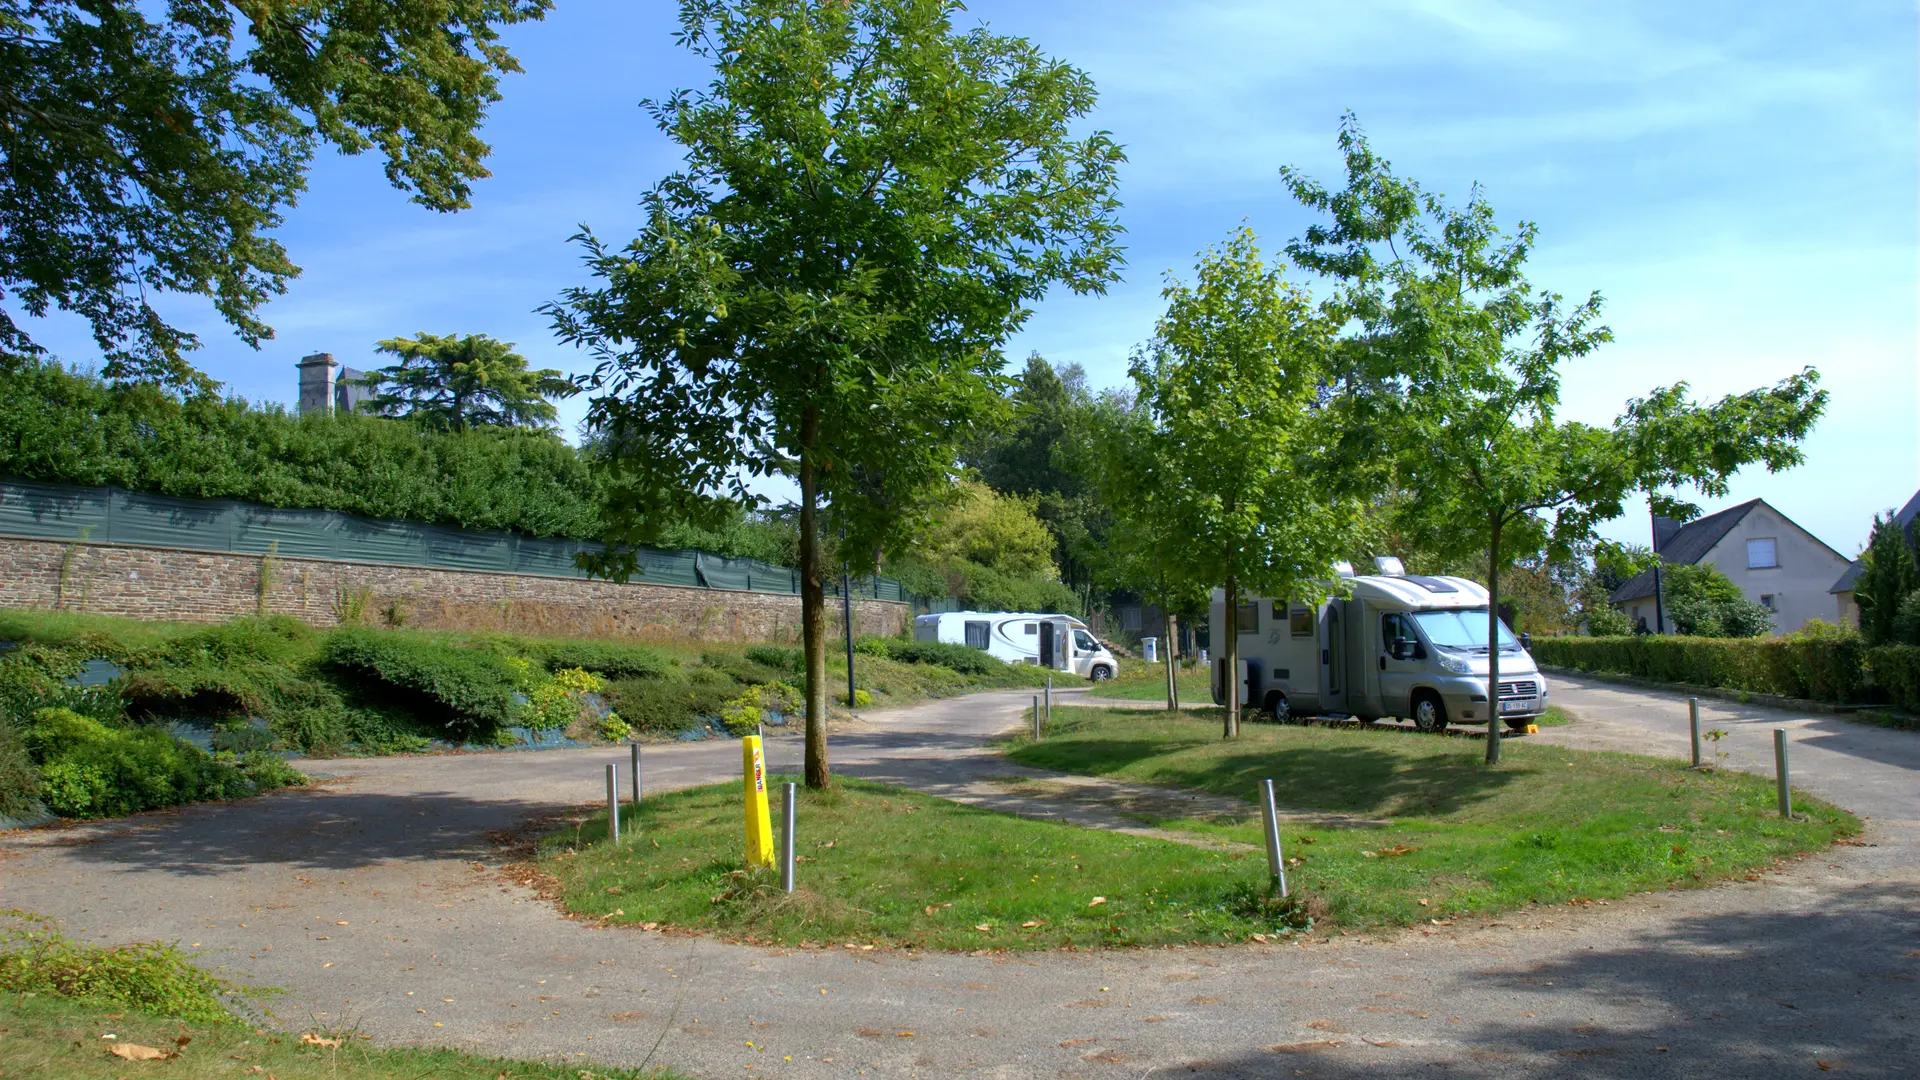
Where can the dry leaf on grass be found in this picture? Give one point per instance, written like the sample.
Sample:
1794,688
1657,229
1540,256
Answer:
136,1052
1097,901
311,1039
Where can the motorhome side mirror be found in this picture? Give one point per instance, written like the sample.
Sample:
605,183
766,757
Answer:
1526,642
1402,649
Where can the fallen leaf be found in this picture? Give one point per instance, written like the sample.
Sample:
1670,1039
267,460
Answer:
984,926
1031,923
1422,901
1304,1047
311,1039
341,923
1097,901
137,1052
903,1034
1071,1043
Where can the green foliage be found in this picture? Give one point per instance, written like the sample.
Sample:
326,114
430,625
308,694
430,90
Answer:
960,658
741,714
460,383
669,706
88,769
1895,669
1455,358
70,428
992,553
613,728
556,703
874,645
468,693
742,669
155,149
152,977
19,779
1889,575
777,658
609,659
1605,620
861,699
1818,666
1701,601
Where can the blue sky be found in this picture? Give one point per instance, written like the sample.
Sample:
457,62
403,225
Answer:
1739,181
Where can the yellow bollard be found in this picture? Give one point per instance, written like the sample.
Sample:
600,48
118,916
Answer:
759,824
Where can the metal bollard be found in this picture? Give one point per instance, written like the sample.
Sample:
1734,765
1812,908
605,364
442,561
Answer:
636,776
1780,772
1693,722
1277,865
1036,718
613,802
786,839
1049,699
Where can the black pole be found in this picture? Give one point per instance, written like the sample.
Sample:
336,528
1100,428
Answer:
846,616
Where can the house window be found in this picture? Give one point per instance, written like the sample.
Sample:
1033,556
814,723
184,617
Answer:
1247,618
1300,622
1761,554
1766,601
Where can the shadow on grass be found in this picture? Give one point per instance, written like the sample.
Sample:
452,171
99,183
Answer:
1339,779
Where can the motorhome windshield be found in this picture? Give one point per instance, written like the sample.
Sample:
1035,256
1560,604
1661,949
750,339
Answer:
1462,629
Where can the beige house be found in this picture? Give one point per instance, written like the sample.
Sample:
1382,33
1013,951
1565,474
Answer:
1845,609
1778,564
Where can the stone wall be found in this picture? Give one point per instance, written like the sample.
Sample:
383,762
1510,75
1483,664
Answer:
199,586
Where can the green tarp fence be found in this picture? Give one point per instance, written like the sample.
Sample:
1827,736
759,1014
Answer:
63,512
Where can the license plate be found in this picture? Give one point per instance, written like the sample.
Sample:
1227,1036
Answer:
1520,705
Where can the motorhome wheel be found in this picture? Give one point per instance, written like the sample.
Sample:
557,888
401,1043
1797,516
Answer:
1429,714
1101,673
1281,709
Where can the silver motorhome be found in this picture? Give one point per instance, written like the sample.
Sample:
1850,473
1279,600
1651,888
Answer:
1395,645
1055,642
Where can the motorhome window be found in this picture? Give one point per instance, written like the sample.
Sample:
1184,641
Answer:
1461,629
1396,627
1030,628
1300,622
1084,642
978,634
1247,618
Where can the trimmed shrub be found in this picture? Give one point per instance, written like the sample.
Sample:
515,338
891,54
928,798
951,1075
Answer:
466,692
742,669
19,780
607,659
558,702
960,658
1823,666
790,661
1896,672
152,977
666,706
874,645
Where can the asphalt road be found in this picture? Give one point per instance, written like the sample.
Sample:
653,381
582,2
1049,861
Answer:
376,902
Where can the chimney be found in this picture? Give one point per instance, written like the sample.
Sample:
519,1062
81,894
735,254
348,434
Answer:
316,384
1664,529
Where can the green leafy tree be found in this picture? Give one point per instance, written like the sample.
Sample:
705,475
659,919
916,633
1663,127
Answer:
152,148
1703,602
1454,358
1247,482
1889,573
870,201
460,383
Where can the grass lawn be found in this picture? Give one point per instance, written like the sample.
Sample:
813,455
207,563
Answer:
51,1038
1139,681
880,865
1549,825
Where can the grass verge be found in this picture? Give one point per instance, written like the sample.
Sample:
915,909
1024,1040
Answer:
1140,681
1549,826
74,1011
883,866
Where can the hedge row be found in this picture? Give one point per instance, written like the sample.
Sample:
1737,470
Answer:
1837,668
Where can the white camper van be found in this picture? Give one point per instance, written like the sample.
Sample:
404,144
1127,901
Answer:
1056,642
1396,645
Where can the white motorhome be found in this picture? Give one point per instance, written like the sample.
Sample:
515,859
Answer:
1395,645
1056,642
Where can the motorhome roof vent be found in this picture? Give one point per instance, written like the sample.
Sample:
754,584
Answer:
1433,584
1343,568
1389,566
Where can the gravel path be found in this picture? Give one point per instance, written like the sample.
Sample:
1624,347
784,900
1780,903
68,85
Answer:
374,901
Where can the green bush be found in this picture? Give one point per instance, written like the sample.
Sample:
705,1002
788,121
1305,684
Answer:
741,669
1823,665
19,780
1896,671
468,693
789,661
607,659
874,645
669,706
960,658
150,977
88,769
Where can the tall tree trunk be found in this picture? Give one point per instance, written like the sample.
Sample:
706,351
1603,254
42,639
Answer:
1494,720
1166,644
1229,672
813,607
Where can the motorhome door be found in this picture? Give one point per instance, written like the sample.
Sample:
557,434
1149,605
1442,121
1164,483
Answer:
1046,644
1399,672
